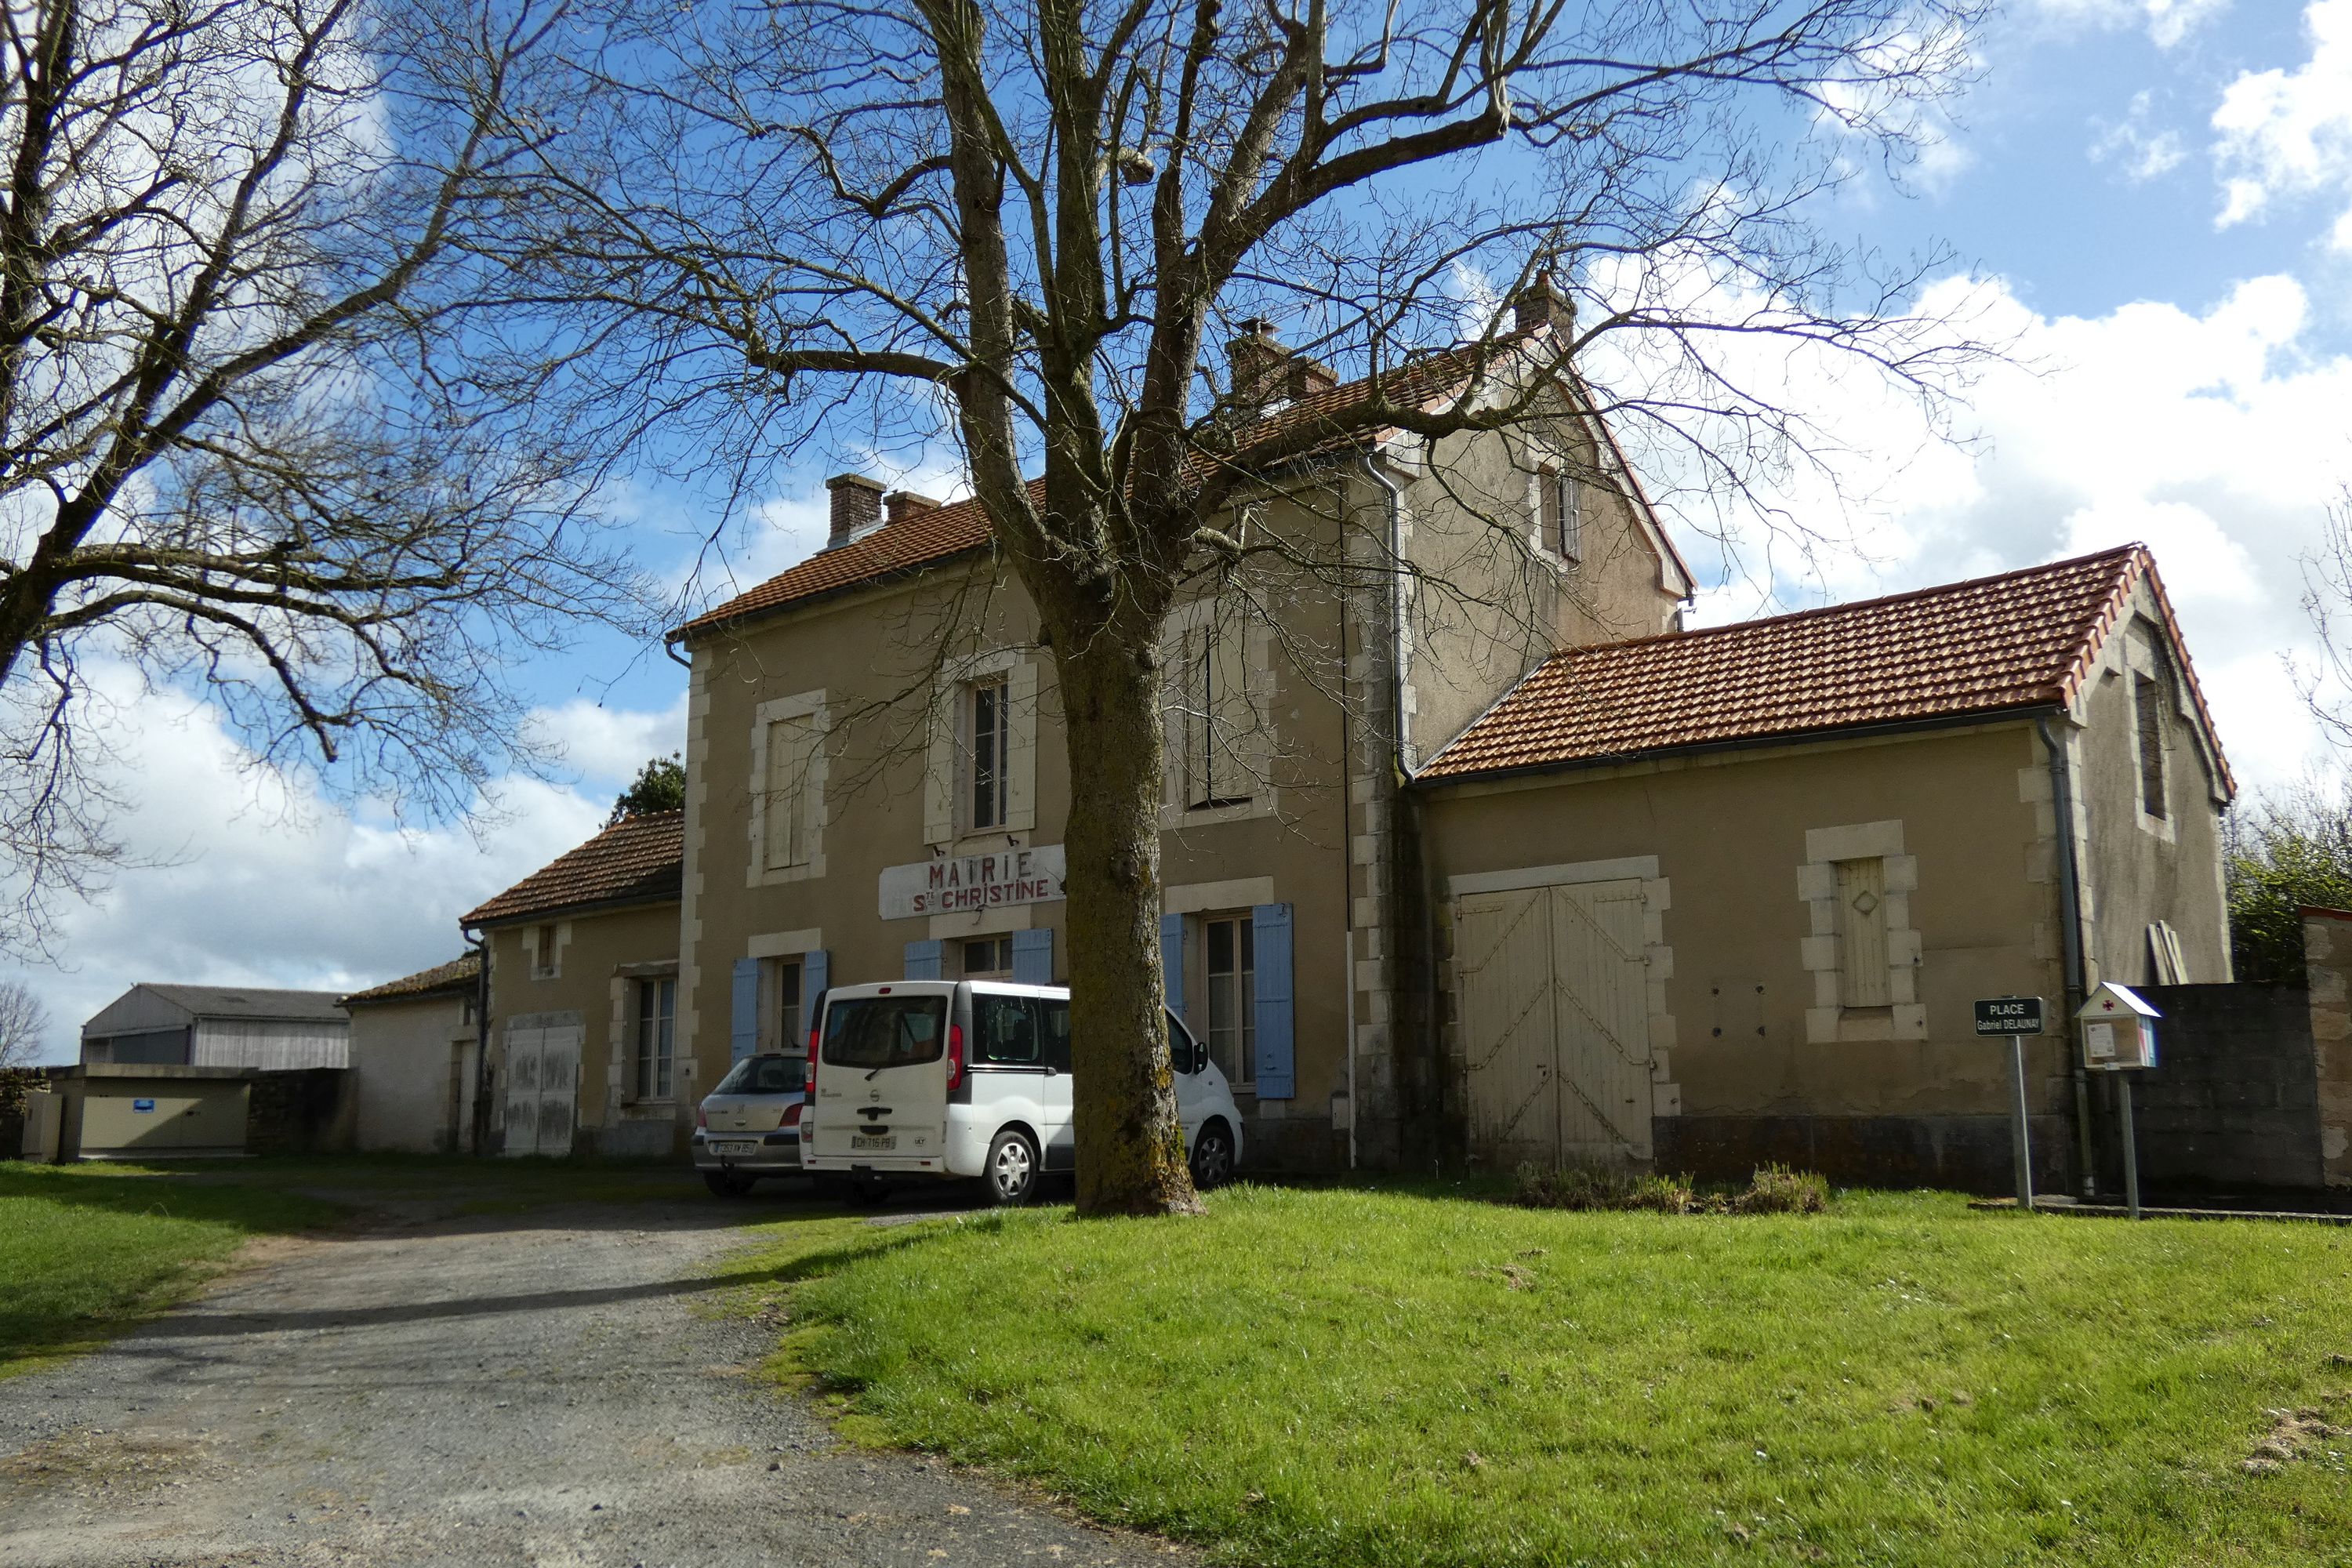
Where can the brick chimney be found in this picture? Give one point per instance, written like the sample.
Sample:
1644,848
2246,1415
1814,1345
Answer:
1265,373
904,504
1541,304
856,508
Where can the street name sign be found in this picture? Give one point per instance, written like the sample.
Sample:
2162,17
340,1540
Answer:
2010,1015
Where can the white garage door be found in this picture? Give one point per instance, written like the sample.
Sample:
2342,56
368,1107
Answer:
1555,1023
542,1083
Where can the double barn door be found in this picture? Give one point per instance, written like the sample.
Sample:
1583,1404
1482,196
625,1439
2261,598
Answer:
542,1087
1554,996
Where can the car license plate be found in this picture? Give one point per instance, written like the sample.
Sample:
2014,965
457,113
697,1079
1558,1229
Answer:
743,1151
865,1141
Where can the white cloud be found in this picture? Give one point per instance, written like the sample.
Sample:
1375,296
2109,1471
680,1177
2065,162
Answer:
243,883
2166,21
2216,439
2143,155
2289,134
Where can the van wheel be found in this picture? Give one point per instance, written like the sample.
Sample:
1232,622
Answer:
726,1185
1012,1168
1212,1157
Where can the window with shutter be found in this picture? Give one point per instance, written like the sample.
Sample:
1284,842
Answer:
792,744
1862,932
1561,499
1217,716
1231,1020
988,729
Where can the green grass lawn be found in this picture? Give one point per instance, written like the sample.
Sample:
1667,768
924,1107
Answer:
86,1250
1353,1377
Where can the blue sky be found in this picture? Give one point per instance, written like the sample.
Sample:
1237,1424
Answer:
2155,196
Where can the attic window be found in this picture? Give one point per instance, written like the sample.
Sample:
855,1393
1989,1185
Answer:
1563,511
2147,715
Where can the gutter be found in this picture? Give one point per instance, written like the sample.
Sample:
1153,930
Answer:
2070,916
1743,743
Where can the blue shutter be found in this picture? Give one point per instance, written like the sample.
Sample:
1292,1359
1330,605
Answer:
1172,961
1276,1077
926,960
814,969
743,1038
1033,957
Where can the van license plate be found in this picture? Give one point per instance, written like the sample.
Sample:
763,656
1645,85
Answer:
862,1140
735,1150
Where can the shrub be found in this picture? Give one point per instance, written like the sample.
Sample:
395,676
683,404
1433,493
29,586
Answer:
1588,1187
1776,1189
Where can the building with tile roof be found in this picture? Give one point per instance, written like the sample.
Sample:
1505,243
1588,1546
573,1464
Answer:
582,958
413,1059
1730,896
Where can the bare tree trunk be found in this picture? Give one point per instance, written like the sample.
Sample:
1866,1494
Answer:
1130,1145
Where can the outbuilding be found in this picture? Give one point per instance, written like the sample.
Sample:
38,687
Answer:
1726,896
218,1026
414,1058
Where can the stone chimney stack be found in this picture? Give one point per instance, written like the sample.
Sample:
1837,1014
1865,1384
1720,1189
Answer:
1541,304
856,508
904,504
1266,374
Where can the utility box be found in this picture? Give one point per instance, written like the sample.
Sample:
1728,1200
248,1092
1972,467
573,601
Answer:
2118,1030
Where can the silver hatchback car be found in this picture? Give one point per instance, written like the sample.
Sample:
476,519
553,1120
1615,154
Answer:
750,1126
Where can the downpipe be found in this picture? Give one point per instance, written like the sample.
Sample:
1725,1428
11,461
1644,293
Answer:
2070,911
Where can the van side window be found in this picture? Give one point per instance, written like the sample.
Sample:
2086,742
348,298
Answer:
1007,1030
1053,1032
1180,1047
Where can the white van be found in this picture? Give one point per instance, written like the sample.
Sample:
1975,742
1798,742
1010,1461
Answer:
930,1079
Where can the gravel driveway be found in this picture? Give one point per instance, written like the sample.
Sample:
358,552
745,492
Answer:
533,1389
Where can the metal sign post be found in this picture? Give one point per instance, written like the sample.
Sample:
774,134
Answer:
2131,1154
2015,1016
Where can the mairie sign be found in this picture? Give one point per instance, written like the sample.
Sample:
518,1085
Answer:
967,883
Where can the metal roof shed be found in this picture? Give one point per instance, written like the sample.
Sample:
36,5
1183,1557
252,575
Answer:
219,1026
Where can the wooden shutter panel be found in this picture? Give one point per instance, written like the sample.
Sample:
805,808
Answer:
743,1034
1172,962
1277,1076
814,969
1862,932
926,960
1033,957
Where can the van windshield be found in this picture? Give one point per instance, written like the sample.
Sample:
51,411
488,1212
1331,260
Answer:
884,1031
764,1075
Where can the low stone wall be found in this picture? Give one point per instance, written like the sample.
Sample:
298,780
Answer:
2328,954
2233,1099
1964,1154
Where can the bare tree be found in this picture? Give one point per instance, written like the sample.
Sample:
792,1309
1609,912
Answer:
261,435
24,1024
1027,219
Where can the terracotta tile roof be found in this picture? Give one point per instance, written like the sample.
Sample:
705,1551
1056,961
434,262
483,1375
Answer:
638,859
2017,641
456,977
940,534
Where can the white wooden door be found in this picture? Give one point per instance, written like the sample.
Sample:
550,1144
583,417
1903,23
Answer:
1554,997
542,1087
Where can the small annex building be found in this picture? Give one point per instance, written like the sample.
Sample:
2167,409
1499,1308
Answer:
414,1058
1726,896
582,991
218,1026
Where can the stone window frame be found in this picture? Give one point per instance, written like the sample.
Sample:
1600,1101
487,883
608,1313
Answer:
1257,751
1828,1021
945,797
548,965
810,705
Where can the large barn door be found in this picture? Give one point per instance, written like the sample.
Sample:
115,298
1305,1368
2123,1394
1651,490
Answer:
1503,957
542,1085
1554,999
1602,988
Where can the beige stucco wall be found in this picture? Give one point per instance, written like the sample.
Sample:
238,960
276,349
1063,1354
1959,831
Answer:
401,1058
599,952
1730,833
